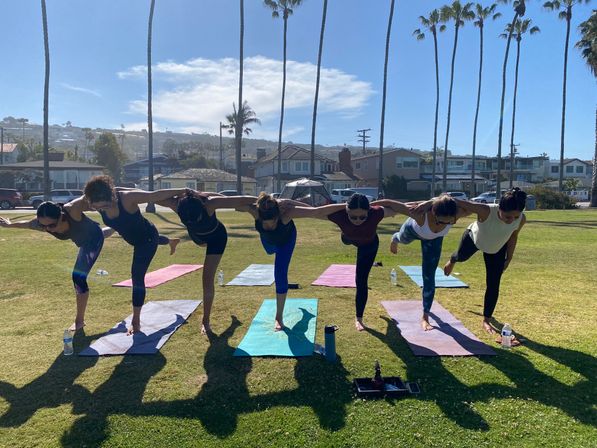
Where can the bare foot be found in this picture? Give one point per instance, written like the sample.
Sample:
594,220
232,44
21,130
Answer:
394,247
487,327
134,328
76,326
449,267
358,323
425,325
278,325
205,328
173,243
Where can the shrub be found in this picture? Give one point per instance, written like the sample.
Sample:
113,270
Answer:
547,198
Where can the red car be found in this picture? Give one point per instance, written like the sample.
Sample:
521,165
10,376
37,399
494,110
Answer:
9,198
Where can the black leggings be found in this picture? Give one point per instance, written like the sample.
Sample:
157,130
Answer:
494,268
86,258
142,256
365,258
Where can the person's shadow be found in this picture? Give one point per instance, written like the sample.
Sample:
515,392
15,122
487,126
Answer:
53,388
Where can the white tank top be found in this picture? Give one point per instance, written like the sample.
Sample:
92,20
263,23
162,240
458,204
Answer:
490,235
425,232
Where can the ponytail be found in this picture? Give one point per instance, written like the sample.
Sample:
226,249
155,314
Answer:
513,200
190,207
267,207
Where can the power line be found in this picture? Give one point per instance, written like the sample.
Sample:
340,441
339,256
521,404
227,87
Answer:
363,138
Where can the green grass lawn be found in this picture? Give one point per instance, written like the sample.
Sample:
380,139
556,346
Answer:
194,393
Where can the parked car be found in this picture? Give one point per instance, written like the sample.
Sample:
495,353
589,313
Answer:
485,198
9,198
343,195
275,195
61,196
458,195
228,192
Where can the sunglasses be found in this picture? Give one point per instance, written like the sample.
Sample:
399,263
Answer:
357,218
438,222
50,226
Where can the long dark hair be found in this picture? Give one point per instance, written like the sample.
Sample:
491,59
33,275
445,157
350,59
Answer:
267,207
358,200
513,200
190,207
50,210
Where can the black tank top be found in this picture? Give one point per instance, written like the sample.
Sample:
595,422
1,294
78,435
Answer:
279,236
80,232
132,227
204,225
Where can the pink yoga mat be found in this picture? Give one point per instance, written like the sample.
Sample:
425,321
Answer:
155,278
338,276
448,338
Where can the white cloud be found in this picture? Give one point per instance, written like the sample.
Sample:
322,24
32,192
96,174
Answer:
80,89
197,94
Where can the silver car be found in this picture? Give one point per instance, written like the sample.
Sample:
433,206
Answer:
60,196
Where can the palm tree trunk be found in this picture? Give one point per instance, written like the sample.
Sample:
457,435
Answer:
594,179
150,207
433,170
514,111
239,124
46,102
445,178
383,102
473,186
321,34
278,177
562,135
498,189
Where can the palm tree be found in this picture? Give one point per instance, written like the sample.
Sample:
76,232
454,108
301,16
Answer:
150,207
383,101
46,101
431,24
238,132
564,9
520,27
519,11
286,8
241,119
458,14
588,46
482,13
325,9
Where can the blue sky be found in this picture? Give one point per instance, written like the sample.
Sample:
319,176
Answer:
98,50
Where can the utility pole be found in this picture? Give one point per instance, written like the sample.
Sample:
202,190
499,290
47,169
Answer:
513,151
221,148
1,145
363,138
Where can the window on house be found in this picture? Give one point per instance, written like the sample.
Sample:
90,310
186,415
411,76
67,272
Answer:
411,164
569,169
297,166
166,185
284,167
398,163
190,184
305,166
555,169
579,169
357,165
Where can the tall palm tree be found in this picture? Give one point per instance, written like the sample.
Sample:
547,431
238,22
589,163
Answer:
383,101
238,134
459,14
241,119
325,9
482,13
588,46
286,7
150,207
46,102
432,24
564,9
520,27
519,11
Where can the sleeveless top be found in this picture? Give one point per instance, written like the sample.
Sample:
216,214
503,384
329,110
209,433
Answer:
490,235
359,235
79,232
133,228
425,231
203,226
279,236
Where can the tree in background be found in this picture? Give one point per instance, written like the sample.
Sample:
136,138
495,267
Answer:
394,186
109,155
317,81
239,120
47,186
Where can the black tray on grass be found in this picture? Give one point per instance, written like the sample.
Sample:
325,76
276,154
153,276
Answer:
393,387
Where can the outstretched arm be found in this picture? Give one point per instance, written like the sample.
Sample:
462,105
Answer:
76,207
31,225
132,198
215,202
468,207
511,244
391,207
314,212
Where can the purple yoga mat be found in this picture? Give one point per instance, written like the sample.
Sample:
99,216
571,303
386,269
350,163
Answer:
448,338
163,275
338,276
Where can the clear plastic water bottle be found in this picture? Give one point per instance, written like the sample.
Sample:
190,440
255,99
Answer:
102,272
221,277
67,338
394,277
507,336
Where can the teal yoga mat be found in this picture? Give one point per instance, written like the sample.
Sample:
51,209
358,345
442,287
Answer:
441,281
297,339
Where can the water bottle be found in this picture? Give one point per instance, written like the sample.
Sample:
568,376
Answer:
221,277
394,277
68,342
330,342
102,272
378,381
506,336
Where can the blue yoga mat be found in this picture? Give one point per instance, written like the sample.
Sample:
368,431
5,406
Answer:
441,281
297,339
254,275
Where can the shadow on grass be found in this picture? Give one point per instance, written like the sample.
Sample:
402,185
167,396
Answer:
578,224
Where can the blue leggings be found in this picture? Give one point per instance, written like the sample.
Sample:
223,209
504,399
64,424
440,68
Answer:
86,258
283,257
142,256
431,251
